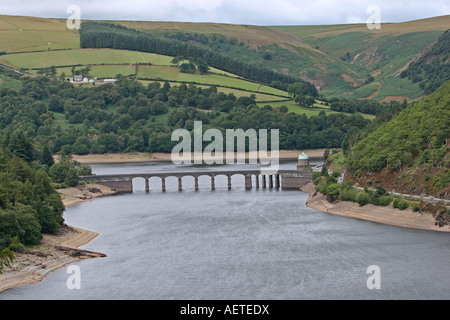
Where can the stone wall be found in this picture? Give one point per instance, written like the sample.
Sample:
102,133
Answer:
295,180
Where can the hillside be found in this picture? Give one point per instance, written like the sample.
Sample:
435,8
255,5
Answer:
148,67
373,59
343,60
433,68
409,154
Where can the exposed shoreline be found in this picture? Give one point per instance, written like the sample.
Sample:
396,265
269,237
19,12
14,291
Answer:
383,215
56,251
139,157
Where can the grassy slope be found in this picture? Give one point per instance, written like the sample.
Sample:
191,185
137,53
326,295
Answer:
381,53
30,34
295,108
108,63
83,57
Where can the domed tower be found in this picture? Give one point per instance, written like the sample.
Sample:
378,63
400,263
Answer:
303,162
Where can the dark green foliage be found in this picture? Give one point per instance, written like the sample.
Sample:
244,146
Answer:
349,195
400,204
19,145
47,157
188,68
356,105
362,198
418,134
317,178
30,226
433,69
267,55
28,203
384,201
67,171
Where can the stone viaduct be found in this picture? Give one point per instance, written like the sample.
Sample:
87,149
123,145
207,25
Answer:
123,183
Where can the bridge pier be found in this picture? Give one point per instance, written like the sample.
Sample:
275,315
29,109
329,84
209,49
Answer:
248,182
213,183
271,182
257,181
147,185
180,184
264,182
277,181
229,183
163,184
196,184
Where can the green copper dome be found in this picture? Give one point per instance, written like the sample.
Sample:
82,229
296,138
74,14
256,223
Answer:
303,156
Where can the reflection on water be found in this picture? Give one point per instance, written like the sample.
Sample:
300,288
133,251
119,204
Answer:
238,244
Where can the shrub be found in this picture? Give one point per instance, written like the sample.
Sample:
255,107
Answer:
317,178
29,223
384,201
401,204
322,188
348,195
362,198
396,202
333,190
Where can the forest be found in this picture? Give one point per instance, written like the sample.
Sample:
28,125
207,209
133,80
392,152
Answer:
415,134
29,205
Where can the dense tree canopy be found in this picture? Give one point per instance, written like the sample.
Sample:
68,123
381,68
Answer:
29,205
418,134
130,117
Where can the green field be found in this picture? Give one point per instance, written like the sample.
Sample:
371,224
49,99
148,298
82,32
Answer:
173,74
107,63
295,108
260,97
83,57
32,34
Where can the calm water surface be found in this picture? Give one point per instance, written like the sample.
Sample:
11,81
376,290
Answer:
238,244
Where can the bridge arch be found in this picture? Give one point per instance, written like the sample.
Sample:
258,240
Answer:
139,184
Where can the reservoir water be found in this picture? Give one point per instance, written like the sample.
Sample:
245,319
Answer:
239,245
